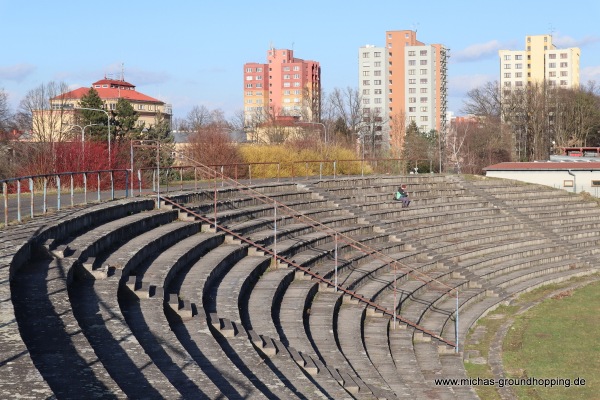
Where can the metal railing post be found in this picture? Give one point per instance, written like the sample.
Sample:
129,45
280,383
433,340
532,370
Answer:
139,174
336,261
31,191
19,200
99,195
127,183
85,188
456,347
72,191
45,196
5,194
112,185
58,192
334,169
275,233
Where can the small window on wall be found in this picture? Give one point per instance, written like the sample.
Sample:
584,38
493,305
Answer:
596,183
568,183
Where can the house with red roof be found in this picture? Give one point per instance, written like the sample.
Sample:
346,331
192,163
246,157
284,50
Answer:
110,91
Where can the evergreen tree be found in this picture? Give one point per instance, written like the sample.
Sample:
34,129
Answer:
125,120
99,130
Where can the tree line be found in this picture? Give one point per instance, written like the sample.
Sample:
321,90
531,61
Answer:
516,125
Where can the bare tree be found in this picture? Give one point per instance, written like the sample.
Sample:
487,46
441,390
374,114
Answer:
5,114
484,101
48,122
346,104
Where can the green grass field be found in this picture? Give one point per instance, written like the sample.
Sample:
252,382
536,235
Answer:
558,337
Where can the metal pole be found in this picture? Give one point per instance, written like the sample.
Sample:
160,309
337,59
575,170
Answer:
32,195
335,256
275,234
215,199
112,185
18,200
131,159
99,196
278,168
139,174
222,177
72,191
5,193
58,192
44,196
395,296
456,348
84,188
334,170
195,178
158,174
321,170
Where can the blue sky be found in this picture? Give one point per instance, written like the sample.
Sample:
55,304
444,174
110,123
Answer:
191,53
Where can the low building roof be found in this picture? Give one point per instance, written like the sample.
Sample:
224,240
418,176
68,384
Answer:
544,166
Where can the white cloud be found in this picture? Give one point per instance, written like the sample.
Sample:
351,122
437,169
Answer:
16,72
460,85
590,74
567,41
477,52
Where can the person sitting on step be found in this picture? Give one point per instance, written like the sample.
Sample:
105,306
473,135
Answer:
402,195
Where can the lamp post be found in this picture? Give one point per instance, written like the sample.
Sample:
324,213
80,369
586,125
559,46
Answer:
108,120
83,139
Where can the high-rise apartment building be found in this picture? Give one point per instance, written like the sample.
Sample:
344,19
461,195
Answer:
413,79
540,62
285,85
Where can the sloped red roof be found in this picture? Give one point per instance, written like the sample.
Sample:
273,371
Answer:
544,166
109,94
113,82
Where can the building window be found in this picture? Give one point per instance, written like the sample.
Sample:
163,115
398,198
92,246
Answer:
507,84
423,99
366,54
412,109
519,83
519,66
366,101
377,91
249,93
286,76
412,62
423,109
518,57
564,55
249,78
412,90
564,64
552,74
296,84
377,100
412,53
259,77
411,72
377,63
296,76
286,84
296,68
286,92
518,74
259,69
564,73
140,106
563,83
258,85
423,81
412,118
595,183
423,52
249,101
297,91
366,92
507,57
424,118
365,73
552,56
366,82
412,99
248,69
506,66
424,90
423,72
507,74
248,85
423,62
377,82
377,73
552,65
377,54
412,81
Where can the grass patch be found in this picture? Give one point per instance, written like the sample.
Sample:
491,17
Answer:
557,339
492,322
